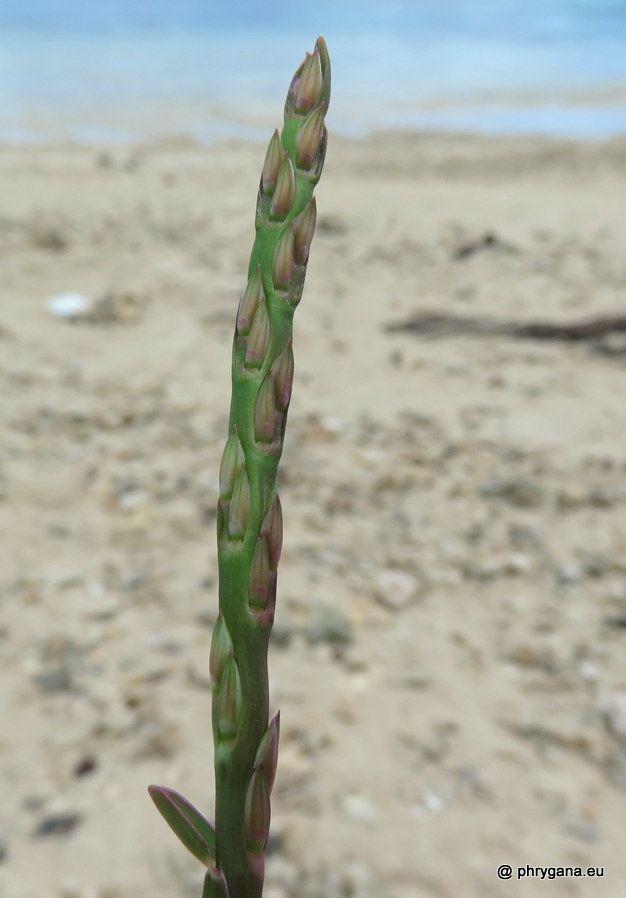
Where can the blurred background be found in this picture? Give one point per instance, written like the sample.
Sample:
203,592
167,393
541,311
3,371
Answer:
126,69
449,653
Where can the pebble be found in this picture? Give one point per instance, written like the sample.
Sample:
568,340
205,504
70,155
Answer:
396,589
57,824
360,808
584,830
329,626
519,490
570,497
69,305
613,710
569,574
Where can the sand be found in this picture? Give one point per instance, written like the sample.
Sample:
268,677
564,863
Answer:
449,649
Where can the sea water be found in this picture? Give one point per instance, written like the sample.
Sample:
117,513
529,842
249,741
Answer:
131,69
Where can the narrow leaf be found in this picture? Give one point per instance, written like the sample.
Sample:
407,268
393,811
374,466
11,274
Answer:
193,830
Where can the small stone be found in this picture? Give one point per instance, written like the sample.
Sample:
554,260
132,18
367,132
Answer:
519,490
584,830
48,237
570,497
569,574
433,802
360,808
356,880
613,710
396,589
87,764
69,306
55,679
329,626
603,497
57,825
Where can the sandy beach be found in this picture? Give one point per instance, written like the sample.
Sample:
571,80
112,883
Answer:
449,648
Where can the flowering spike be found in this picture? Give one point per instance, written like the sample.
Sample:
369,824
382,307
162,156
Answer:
265,412
284,262
273,530
309,139
271,166
221,647
257,812
285,191
267,754
258,338
239,507
232,462
229,700
282,373
304,228
249,518
249,302
308,89
260,574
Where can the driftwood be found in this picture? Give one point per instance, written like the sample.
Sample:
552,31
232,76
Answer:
440,325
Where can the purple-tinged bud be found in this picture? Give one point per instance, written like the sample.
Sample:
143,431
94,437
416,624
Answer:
229,700
267,754
221,648
258,338
282,373
257,812
284,262
265,412
260,574
273,529
232,463
309,139
303,230
322,49
308,87
249,303
271,166
239,510
285,191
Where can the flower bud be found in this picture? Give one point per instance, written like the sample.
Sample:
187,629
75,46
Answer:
221,648
282,374
267,754
271,166
265,412
322,49
308,88
273,529
284,262
257,812
260,574
303,230
258,338
229,700
285,191
239,510
232,462
249,303
309,139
